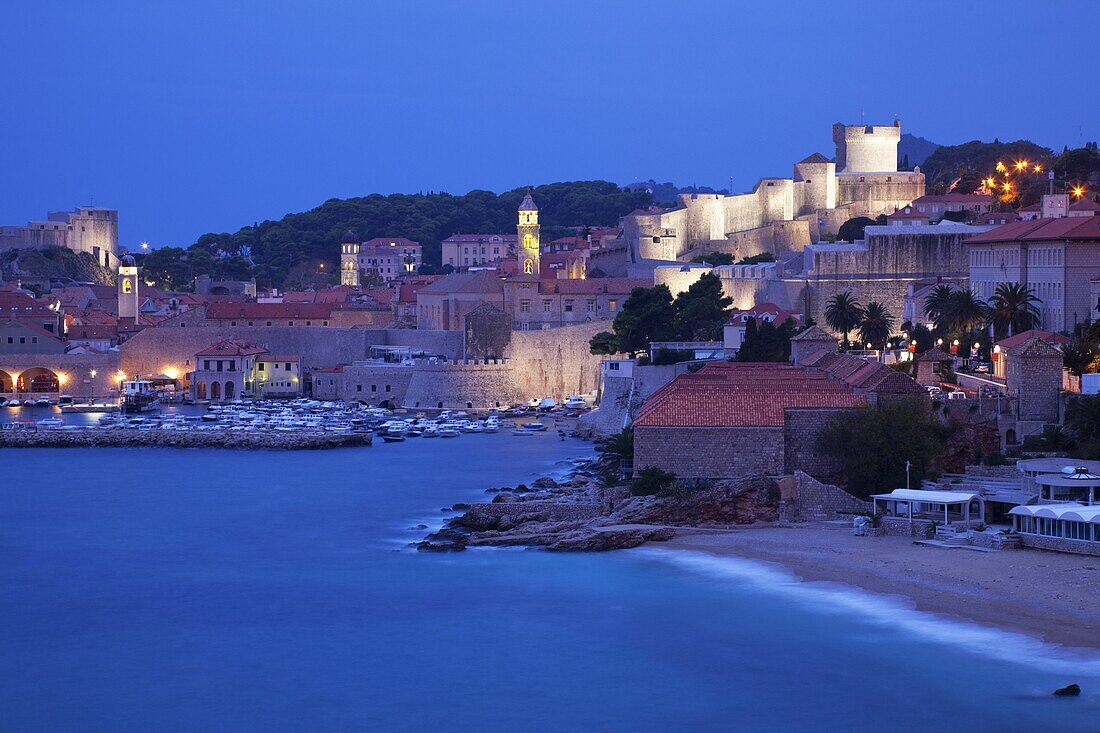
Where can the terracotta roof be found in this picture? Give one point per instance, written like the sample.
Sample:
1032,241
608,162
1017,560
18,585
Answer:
1085,204
906,212
1036,346
815,158
934,354
337,294
222,311
814,333
231,347
742,395
528,204
1084,228
391,241
278,357
479,238
1048,336
777,314
32,327
466,282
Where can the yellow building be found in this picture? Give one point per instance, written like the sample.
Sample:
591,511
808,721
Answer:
274,375
527,233
349,259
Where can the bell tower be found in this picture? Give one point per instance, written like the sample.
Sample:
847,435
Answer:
527,239
127,288
349,259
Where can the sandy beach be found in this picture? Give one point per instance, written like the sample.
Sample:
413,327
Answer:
1042,594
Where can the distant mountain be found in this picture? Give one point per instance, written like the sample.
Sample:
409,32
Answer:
915,149
669,193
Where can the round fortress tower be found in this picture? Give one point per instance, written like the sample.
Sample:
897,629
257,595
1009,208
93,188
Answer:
867,148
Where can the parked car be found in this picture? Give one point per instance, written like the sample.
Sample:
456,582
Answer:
956,394
982,367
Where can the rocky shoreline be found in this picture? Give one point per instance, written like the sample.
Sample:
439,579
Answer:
124,438
582,515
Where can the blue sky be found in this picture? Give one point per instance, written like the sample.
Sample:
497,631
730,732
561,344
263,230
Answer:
205,116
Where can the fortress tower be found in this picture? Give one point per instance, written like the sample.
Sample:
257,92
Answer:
528,237
127,288
867,148
349,259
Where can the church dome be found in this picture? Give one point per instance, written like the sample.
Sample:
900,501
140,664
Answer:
349,237
127,261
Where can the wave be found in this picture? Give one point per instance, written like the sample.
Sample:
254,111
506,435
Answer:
887,611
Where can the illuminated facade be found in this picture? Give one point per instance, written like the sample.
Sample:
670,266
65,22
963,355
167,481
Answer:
349,259
127,288
527,236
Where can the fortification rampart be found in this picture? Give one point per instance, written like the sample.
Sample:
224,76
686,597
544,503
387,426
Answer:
79,375
556,362
461,385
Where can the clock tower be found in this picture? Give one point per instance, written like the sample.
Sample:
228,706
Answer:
527,239
127,288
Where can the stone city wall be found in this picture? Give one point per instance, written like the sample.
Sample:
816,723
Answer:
74,372
710,452
818,501
555,362
901,527
462,385
617,405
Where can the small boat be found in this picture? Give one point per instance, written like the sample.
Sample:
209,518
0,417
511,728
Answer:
448,433
575,402
28,403
42,402
534,426
393,437
51,422
522,432
65,399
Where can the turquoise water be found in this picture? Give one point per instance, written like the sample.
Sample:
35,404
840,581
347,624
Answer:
167,590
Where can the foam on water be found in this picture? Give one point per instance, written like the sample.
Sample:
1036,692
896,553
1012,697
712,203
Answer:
887,611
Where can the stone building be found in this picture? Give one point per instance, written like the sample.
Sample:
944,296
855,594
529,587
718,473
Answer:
381,258
936,206
930,366
1058,258
782,215
225,370
277,375
529,248
443,305
89,229
551,303
462,251
1033,374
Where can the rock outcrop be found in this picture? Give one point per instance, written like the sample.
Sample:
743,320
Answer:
580,515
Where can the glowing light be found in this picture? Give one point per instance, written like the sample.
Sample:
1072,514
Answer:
145,245
1037,169
1001,168
62,377
1078,191
1007,186
172,373
92,373
939,342
990,182
1021,165
121,375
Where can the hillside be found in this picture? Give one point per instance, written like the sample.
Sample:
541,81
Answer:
313,236
53,263
913,150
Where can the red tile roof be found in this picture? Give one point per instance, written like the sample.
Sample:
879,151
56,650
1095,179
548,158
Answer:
773,312
278,357
743,395
231,347
593,286
1049,337
1081,228
955,198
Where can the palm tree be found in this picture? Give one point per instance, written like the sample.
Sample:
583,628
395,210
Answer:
1083,417
964,311
876,325
936,303
1014,308
843,313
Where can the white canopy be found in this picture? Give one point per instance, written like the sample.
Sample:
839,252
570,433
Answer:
1067,512
928,497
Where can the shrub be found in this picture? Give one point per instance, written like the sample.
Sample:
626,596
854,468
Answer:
996,459
685,487
651,481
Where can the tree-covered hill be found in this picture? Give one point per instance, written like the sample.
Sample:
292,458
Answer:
313,236
977,159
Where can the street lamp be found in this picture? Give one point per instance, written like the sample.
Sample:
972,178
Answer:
907,464
144,246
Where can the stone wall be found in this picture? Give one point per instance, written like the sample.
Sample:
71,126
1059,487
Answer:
1060,544
462,385
801,428
710,452
901,527
555,362
74,371
617,404
817,501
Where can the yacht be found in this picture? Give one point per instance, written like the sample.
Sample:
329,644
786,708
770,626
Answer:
534,427
575,402
51,422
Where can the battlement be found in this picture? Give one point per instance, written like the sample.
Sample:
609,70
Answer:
867,148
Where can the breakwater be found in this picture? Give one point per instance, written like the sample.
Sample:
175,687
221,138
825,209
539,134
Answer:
122,437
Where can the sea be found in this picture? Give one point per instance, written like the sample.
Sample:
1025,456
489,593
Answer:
208,590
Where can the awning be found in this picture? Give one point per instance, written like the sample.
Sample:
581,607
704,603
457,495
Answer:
928,497
1066,512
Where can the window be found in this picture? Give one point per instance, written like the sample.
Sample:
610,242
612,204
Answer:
22,339
250,323
34,339
546,306
206,364
568,306
289,323
613,305
232,323
287,367
269,323
591,306
524,306
260,367
309,323
387,388
324,323
374,388
219,363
